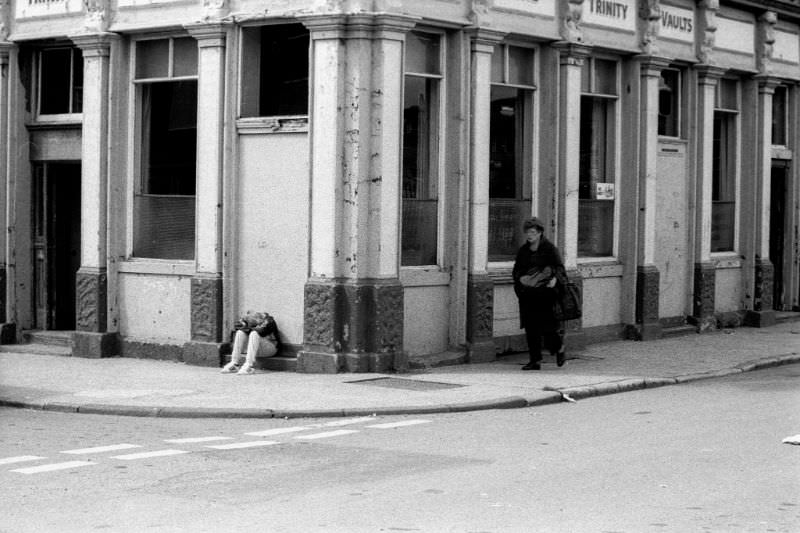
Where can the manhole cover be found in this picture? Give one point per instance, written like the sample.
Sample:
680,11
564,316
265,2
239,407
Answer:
406,384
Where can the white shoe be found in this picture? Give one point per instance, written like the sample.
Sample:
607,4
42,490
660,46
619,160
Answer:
230,368
246,369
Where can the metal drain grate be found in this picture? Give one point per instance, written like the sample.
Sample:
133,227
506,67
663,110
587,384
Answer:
406,384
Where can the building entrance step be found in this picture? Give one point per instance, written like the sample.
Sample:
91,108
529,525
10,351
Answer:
48,337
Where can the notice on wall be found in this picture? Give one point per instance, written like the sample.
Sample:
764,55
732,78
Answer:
735,35
604,191
677,24
534,7
617,14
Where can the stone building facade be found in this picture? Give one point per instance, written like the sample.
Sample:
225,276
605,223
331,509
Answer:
361,169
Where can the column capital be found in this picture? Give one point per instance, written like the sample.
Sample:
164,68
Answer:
484,39
651,66
358,26
709,74
209,34
766,83
94,44
572,53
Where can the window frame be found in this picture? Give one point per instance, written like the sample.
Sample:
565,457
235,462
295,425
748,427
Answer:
733,160
529,172
436,160
786,116
71,116
679,104
137,151
614,154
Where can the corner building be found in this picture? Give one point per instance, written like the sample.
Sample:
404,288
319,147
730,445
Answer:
361,169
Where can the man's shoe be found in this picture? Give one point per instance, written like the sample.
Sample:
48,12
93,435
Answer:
532,366
561,357
230,368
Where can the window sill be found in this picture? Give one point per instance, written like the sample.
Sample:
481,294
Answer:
262,125
73,122
723,260
600,268
161,267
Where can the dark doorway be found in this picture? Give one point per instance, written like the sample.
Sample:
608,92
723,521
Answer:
777,229
57,243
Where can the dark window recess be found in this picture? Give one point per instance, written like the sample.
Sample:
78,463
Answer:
284,70
60,81
173,137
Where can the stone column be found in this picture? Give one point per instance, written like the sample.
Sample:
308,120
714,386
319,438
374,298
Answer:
205,345
704,270
92,338
571,62
7,329
480,288
647,275
353,298
762,314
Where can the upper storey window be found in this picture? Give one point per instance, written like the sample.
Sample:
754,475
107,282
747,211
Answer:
60,83
724,171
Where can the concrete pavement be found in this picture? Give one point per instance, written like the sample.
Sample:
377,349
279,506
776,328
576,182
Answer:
143,387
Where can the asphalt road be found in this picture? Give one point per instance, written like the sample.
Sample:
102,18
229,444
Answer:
705,456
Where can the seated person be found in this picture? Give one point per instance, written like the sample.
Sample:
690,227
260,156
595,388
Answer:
254,335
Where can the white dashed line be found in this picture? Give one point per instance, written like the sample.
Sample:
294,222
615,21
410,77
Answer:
19,459
196,439
239,445
277,431
390,425
327,434
146,455
52,467
102,449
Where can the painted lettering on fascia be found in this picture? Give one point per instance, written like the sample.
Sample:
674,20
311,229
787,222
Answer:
675,22
609,8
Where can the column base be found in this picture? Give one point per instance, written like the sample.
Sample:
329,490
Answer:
320,362
705,282
481,351
203,353
8,333
760,319
644,332
95,345
480,318
648,281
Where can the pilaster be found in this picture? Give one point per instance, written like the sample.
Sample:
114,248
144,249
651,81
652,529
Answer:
207,286
92,338
353,297
7,330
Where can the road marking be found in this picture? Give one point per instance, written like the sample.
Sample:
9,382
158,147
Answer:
389,425
277,431
196,439
52,467
19,459
239,445
327,434
101,449
348,421
146,455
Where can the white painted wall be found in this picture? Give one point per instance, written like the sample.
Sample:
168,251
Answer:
728,290
155,307
272,228
506,311
601,301
427,315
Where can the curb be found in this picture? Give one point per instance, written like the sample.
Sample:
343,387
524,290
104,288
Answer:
545,397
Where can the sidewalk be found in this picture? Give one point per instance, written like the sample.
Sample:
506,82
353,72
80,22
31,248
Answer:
142,387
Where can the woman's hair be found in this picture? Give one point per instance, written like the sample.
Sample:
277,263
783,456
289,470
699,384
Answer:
533,222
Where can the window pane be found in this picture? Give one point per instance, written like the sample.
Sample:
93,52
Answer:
605,76
170,123
596,187
284,70
498,64
77,81
184,56
520,65
508,205
586,76
668,103
723,192
779,116
420,172
54,92
164,227
152,59
422,53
